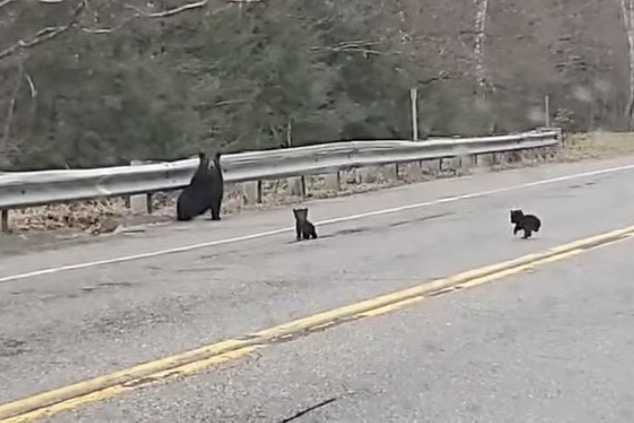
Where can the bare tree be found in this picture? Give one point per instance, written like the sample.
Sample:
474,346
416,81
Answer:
74,21
481,73
627,8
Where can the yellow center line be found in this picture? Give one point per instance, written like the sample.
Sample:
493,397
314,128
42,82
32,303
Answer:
194,361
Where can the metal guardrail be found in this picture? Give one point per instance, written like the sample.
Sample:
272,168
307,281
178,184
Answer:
22,189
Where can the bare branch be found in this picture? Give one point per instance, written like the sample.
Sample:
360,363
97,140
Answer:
49,33
4,3
362,47
11,111
140,14
31,84
354,49
170,12
359,43
45,34
184,8
99,31
442,76
229,102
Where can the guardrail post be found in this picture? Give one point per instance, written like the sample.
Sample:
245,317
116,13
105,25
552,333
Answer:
451,164
140,203
296,186
5,221
252,192
148,202
367,175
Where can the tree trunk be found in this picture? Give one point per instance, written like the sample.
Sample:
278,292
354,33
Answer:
478,52
627,7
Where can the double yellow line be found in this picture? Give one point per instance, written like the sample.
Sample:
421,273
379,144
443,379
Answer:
194,361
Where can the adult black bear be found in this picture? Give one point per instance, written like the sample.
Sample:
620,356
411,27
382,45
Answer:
527,222
303,228
197,198
217,188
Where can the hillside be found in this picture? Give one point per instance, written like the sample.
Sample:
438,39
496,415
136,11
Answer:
572,50
101,83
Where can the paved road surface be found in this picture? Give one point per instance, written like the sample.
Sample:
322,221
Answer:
551,346
467,356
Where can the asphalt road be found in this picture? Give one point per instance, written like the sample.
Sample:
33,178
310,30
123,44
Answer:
551,346
526,349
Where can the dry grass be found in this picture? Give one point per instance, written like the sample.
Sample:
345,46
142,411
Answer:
596,145
107,215
91,216
104,216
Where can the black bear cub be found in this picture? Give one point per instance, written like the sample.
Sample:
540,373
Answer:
527,222
303,228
